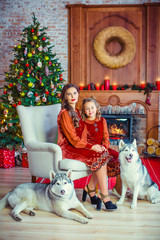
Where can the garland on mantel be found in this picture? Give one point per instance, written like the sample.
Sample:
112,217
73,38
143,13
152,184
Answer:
147,90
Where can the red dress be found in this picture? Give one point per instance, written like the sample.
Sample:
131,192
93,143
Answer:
74,144
97,133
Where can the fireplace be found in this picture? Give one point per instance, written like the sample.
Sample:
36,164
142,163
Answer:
119,127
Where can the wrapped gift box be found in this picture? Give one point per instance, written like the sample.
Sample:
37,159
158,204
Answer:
7,158
25,160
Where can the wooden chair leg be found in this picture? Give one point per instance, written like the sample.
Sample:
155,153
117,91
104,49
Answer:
33,179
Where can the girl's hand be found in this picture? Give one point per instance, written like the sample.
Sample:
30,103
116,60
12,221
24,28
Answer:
97,148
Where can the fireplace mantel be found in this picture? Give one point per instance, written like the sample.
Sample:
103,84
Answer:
124,98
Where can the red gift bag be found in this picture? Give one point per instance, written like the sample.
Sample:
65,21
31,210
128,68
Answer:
25,160
7,158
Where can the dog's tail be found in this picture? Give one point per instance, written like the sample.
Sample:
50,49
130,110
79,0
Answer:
4,202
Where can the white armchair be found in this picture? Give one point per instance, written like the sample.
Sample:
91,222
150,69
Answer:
39,129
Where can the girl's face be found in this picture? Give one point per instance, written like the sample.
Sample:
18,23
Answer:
90,110
71,96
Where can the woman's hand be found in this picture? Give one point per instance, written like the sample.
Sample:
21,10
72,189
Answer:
98,148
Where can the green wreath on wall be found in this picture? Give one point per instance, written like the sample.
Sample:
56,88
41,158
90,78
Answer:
126,41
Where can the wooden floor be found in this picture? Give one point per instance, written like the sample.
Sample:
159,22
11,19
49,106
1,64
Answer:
142,223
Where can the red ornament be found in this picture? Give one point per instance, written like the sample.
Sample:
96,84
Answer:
19,103
11,84
60,75
58,95
15,61
27,64
21,73
43,38
36,94
5,92
61,79
14,105
32,30
47,92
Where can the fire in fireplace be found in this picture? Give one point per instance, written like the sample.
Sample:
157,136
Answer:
119,127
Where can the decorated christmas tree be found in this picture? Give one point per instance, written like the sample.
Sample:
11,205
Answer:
34,78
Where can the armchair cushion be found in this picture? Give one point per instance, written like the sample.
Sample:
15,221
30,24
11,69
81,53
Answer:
75,165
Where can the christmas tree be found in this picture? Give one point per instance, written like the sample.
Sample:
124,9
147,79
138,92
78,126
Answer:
34,78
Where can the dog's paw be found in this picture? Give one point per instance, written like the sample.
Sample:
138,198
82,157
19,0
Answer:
119,202
84,220
89,215
154,201
17,218
133,205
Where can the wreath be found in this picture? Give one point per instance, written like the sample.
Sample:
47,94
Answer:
120,35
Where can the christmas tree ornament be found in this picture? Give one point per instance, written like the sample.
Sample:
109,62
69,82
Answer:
32,30
5,112
15,61
5,91
32,43
44,99
30,94
34,37
30,84
37,46
10,98
46,58
19,47
27,64
36,94
28,75
47,92
46,71
2,130
21,73
29,55
39,64
43,38
40,48
10,124
33,52
25,51
22,94
22,59
37,99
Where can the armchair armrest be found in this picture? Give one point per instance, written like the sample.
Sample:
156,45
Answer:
46,147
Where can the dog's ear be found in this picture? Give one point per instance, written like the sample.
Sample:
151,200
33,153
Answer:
134,143
52,174
69,172
121,144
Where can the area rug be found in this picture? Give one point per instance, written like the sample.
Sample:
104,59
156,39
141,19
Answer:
152,164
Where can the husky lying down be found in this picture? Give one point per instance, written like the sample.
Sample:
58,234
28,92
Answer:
135,176
58,197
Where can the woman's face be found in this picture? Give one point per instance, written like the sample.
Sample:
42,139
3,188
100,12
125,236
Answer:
72,96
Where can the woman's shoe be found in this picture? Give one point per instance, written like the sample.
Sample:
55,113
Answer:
93,199
109,205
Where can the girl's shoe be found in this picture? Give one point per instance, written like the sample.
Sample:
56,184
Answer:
109,205
93,199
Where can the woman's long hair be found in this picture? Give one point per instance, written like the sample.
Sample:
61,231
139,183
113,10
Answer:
65,104
91,99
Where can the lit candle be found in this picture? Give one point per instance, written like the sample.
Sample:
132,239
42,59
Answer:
102,87
81,87
114,86
97,86
142,85
106,84
89,87
158,84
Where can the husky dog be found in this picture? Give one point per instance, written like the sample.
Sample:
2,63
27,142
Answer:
58,197
135,176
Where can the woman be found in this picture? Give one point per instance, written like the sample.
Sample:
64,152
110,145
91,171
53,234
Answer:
72,138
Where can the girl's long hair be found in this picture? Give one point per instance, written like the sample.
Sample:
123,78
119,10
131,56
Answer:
65,104
91,99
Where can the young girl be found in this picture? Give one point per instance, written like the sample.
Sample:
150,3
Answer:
97,133
72,138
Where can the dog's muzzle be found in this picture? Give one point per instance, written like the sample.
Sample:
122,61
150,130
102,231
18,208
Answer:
129,159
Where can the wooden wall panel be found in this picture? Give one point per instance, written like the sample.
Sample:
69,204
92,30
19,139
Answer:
153,43
143,21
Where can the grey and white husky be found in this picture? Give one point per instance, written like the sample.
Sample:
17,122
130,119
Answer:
58,197
135,176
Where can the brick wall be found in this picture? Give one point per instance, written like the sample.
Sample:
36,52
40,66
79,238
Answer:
17,14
